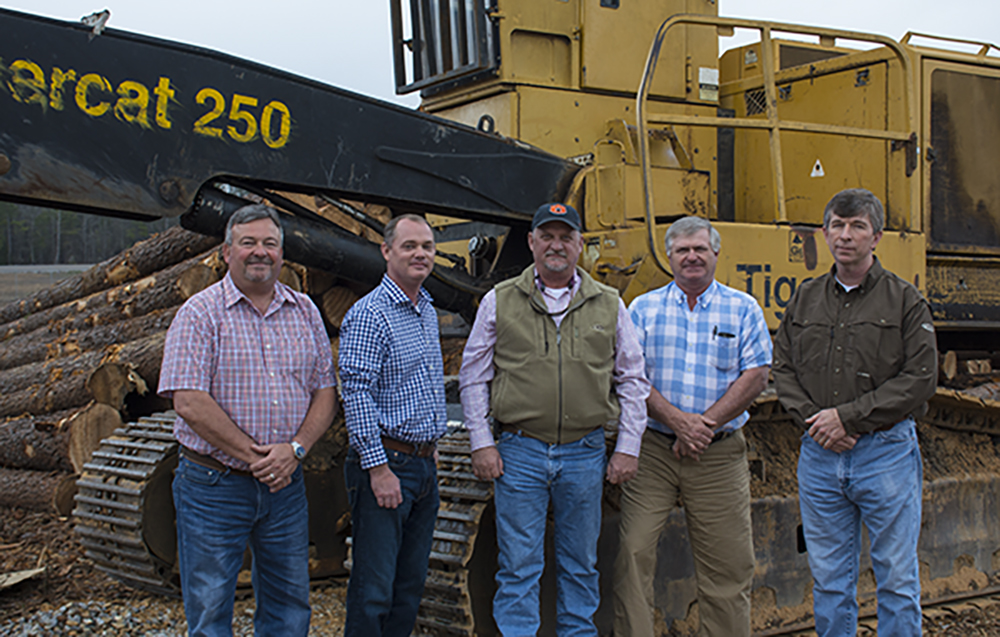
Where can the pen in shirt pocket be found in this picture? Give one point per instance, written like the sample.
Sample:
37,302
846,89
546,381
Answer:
716,332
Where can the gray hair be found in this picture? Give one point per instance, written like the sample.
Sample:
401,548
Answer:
692,225
855,202
253,212
390,228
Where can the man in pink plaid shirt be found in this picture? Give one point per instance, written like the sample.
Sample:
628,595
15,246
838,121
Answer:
248,365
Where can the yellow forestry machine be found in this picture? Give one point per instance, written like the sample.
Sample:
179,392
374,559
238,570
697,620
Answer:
623,108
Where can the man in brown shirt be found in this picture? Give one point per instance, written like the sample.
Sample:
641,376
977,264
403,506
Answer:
855,361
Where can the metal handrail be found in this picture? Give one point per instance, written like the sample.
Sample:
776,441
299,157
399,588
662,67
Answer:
983,50
772,124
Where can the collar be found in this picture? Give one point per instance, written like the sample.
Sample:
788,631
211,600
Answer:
867,283
678,296
397,296
231,295
574,281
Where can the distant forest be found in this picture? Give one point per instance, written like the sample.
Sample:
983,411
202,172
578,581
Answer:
38,236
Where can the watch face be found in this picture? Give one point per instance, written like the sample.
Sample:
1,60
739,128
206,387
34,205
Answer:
300,451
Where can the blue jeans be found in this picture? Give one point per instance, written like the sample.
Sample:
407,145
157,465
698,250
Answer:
218,514
389,547
571,476
878,482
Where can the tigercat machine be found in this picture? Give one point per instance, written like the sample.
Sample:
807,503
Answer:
623,108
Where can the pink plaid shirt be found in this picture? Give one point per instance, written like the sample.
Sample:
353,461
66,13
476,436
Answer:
261,369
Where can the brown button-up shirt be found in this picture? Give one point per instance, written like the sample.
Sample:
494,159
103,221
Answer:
870,352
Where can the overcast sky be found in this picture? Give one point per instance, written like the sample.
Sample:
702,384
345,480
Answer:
347,43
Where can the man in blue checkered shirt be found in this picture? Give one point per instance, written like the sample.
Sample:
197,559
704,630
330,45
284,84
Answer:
393,387
708,353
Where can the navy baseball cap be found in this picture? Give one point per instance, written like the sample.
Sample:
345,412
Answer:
556,212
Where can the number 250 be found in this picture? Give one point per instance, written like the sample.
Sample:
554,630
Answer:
244,127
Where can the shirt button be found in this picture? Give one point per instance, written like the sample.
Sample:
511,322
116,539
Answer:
267,346
847,305
836,371
274,402
838,349
842,325
272,373
836,393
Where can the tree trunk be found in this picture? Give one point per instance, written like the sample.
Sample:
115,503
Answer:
61,390
37,490
49,343
63,441
160,290
154,254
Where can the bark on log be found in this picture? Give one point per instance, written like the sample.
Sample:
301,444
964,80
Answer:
62,390
163,289
155,253
47,343
135,369
37,490
63,441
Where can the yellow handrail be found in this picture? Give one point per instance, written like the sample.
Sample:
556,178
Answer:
773,124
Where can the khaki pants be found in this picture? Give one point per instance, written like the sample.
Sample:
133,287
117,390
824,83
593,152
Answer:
716,497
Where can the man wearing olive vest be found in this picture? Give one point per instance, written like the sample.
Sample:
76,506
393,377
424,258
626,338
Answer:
554,359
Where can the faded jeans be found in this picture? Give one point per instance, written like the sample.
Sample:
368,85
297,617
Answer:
572,477
218,514
878,482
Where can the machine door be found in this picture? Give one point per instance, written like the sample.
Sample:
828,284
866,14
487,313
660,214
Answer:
961,157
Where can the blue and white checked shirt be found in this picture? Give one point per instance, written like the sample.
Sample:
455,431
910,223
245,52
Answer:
693,356
391,371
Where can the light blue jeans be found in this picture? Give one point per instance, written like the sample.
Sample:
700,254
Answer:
218,515
878,482
571,476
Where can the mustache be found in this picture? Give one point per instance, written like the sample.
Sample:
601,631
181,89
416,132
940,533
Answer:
264,260
558,253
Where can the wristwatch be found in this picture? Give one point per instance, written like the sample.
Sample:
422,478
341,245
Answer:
298,450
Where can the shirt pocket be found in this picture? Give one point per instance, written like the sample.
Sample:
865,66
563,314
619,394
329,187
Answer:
878,344
724,352
811,341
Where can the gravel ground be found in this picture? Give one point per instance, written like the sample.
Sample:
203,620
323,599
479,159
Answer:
72,599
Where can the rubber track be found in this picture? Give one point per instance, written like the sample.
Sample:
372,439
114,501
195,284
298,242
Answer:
110,503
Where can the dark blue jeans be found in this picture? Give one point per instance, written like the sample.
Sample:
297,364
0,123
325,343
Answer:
218,514
390,547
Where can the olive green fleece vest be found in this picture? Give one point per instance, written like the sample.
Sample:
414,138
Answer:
553,383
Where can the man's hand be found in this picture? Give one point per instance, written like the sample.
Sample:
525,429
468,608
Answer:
622,468
827,430
487,463
694,434
276,467
385,486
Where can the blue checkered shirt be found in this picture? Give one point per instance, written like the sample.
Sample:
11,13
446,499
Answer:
391,372
693,356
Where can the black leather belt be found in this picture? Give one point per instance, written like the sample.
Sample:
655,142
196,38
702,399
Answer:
420,450
210,463
722,435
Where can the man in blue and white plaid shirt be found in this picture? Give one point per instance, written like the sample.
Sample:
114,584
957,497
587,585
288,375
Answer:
393,388
708,353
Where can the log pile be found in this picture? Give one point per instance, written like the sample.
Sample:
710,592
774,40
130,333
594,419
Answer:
71,355
83,356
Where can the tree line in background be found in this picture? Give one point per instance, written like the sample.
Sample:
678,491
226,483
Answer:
37,236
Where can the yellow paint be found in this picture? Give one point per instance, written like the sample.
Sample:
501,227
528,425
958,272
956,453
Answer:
164,94
83,94
237,114
59,79
27,83
133,103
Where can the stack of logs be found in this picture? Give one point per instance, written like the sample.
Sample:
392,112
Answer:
79,357
71,354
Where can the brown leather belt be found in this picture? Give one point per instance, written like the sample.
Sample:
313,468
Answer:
722,435
210,463
420,450
883,428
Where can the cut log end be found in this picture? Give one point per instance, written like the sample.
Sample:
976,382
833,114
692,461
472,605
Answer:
89,427
109,384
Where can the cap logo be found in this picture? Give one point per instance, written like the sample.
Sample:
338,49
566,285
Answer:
557,209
